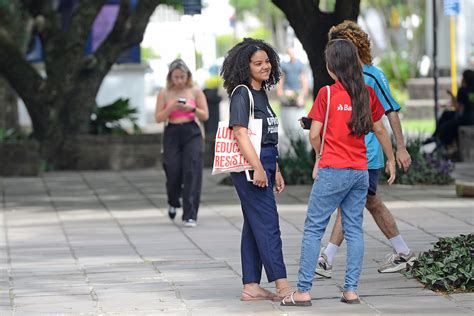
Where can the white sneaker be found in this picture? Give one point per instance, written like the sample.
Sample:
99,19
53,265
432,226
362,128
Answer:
323,268
396,262
190,223
172,212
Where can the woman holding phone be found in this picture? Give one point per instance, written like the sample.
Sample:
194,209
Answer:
180,104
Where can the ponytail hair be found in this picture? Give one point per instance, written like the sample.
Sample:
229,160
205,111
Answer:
342,60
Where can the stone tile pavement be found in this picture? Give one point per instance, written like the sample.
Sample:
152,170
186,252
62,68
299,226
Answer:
101,243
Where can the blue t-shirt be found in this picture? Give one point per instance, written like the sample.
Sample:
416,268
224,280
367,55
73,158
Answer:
292,72
375,78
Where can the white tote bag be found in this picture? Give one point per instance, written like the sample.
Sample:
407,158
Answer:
227,155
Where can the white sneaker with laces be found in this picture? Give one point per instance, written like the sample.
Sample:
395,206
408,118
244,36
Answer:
323,268
396,262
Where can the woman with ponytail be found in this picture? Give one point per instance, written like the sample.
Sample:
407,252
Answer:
341,179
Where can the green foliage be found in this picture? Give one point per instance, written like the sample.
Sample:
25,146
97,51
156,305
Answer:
264,8
400,94
10,135
425,168
426,126
297,164
198,59
106,119
327,5
147,53
213,82
396,68
224,43
448,267
261,33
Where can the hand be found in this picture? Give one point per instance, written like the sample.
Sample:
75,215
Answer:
315,168
280,183
175,106
403,159
260,178
450,93
390,169
187,108
301,122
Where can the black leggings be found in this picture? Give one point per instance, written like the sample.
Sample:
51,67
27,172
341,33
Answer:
182,162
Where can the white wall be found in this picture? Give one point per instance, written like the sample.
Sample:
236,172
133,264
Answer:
125,81
464,38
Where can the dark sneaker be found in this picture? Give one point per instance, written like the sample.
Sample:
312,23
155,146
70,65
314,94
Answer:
190,223
323,268
396,262
172,212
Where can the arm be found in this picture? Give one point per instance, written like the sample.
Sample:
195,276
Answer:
245,146
384,140
280,183
162,113
202,110
315,140
389,103
403,157
280,85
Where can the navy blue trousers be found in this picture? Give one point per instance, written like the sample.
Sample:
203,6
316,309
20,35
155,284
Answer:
261,239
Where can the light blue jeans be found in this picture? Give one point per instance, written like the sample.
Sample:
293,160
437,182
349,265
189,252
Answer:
332,188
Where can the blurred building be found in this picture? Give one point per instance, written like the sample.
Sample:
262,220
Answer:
464,40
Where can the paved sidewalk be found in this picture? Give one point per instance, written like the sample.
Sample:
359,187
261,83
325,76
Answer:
102,243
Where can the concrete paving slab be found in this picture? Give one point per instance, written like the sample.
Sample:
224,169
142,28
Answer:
102,243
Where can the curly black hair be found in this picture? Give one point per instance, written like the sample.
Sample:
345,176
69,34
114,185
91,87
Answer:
236,67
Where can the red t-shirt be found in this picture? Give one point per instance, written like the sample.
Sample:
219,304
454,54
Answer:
341,149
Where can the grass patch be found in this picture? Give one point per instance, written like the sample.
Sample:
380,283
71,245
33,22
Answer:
426,126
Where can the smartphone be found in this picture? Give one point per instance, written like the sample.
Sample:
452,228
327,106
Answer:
306,122
249,175
182,100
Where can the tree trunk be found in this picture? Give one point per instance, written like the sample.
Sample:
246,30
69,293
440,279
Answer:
8,107
60,103
311,26
68,115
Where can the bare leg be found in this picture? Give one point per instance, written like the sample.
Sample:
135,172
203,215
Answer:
382,216
337,236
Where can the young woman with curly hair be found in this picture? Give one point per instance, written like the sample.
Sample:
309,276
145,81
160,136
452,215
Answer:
255,64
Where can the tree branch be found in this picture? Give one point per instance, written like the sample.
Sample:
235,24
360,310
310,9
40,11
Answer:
26,81
347,10
129,28
81,23
298,9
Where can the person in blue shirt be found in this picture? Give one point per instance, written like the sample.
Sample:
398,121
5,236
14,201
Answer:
292,90
375,78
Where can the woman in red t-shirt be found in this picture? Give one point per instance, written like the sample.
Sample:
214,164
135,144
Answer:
342,179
